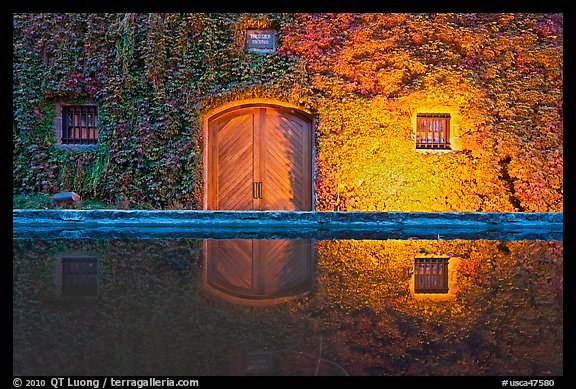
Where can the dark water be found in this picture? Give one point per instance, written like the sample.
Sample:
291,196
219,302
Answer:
287,307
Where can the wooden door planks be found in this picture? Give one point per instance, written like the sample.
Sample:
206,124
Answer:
266,145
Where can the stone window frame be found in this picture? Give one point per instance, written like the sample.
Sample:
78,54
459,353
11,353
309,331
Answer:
57,125
440,137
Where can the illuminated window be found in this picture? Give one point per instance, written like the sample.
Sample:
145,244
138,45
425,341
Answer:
431,275
433,131
79,124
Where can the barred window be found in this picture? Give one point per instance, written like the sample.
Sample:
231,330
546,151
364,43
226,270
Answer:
433,131
79,124
431,275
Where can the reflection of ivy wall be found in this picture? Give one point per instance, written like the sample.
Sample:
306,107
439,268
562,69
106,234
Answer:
152,315
364,76
507,307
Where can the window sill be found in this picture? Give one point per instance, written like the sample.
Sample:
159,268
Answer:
76,146
436,151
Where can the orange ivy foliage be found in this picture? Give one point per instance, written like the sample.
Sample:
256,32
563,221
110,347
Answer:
498,75
501,289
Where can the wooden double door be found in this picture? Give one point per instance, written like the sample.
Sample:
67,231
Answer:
260,158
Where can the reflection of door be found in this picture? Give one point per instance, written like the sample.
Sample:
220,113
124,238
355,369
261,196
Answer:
260,158
258,270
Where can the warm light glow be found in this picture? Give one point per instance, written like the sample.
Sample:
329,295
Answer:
367,157
379,274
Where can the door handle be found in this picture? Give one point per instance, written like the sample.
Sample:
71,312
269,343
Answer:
257,189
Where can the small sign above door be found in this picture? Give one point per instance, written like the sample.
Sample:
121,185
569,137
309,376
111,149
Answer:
263,41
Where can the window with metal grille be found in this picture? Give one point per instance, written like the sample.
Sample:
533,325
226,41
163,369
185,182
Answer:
79,124
431,275
433,131
79,275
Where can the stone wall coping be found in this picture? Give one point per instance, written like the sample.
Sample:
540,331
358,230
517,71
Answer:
276,218
160,224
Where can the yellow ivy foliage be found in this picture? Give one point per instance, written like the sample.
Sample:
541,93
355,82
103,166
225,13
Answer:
497,290
378,273
498,75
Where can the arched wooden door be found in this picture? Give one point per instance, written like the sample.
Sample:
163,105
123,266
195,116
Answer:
260,158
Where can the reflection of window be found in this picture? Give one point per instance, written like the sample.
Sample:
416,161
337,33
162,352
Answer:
433,131
79,275
431,275
259,362
79,124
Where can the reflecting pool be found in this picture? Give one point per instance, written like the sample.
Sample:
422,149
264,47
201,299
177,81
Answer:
287,307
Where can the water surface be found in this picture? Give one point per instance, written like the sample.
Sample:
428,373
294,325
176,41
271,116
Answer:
287,307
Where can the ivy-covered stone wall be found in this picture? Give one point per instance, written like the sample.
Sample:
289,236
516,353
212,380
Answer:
364,77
